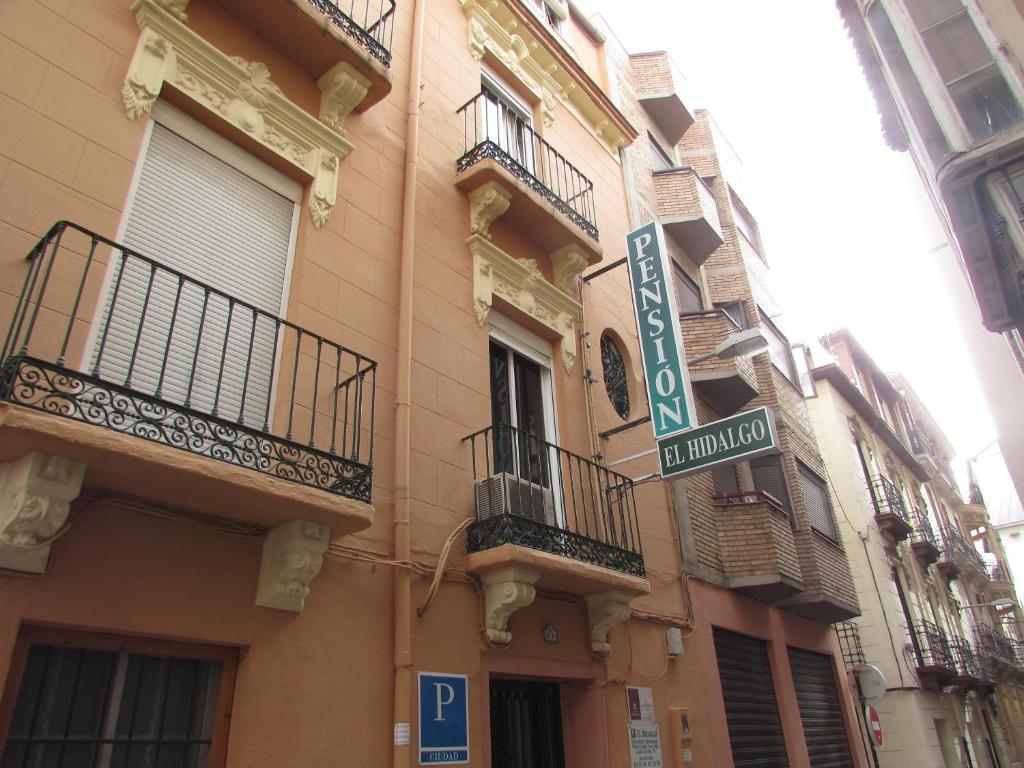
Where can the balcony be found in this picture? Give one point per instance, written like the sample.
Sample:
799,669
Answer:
1000,583
960,558
922,539
537,190
972,674
318,35
159,383
890,511
688,212
935,661
829,593
758,553
1004,655
728,383
658,84
850,645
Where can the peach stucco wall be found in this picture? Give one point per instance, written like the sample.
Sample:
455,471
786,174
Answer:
316,688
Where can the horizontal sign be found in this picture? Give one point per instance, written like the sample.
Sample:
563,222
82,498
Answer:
657,324
737,438
444,719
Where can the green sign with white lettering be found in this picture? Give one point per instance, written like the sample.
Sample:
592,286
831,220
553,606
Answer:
657,323
727,441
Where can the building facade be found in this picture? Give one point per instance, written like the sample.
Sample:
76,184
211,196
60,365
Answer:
929,573
319,391
949,86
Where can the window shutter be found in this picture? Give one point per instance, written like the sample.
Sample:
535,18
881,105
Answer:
820,710
770,477
200,216
724,478
819,508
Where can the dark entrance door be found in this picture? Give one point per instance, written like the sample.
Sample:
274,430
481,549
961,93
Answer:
526,724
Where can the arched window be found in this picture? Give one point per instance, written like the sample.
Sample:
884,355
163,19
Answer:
614,376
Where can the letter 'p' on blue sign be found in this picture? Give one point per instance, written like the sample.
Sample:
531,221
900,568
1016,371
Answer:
444,719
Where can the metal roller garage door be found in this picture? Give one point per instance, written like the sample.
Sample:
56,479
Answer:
820,710
751,711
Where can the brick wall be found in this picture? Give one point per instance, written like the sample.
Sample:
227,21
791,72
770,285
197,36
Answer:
756,540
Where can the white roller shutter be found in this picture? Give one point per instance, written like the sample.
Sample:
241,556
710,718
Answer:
203,218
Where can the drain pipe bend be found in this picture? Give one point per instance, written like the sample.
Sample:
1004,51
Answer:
401,755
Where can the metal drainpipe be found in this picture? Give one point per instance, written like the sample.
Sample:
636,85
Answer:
401,755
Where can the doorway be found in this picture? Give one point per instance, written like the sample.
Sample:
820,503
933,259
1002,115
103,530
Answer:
526,724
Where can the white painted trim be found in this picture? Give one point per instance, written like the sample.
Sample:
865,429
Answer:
493,81
226,151
531,345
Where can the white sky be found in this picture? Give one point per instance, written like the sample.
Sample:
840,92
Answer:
847,227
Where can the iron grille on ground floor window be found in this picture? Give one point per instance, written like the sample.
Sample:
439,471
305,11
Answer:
85,700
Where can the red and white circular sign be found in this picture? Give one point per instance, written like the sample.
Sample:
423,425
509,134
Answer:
874,725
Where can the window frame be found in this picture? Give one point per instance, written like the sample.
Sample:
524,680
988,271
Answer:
109,642
661,153
678,271
791,375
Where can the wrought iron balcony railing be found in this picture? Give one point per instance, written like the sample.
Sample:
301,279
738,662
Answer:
104,335
958,549
371,23
923,534
997,571
535,494
887,499
966,661
989,641
931,647
492,129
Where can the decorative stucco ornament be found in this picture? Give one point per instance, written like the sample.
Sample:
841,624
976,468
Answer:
604,611
292,557
505,592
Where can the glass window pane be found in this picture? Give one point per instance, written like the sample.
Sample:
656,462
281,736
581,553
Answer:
614,371
985,103
660,159
687,292
956,48
928,12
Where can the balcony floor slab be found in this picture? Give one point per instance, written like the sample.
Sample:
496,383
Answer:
174,478
557,573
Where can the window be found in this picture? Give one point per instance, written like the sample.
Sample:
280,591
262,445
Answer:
744,223
778,349
614,370
687,291
934,140
660,159
816,500
115,702
965,64
554,12
734,309
770,477
723,478
508,122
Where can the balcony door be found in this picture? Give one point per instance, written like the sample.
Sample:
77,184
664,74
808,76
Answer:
522,413
210,214
508,122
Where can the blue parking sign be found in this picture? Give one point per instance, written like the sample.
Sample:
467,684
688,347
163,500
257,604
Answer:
444,719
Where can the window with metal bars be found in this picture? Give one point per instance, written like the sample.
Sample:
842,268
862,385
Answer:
96,700
817,503
614,370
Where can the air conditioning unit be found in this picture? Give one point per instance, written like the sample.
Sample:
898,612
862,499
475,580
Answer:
508,494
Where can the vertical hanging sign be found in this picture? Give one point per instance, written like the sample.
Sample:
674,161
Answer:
657,323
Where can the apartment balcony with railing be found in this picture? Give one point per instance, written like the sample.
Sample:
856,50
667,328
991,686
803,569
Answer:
660,88
756,545
538,506
319,35
687,210
960,558
1000,584
1003,654
934,658
972,674
729,383
890,511
923,542
509,170
158,382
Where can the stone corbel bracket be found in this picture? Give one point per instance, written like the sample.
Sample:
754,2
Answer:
505,592
35,497
604,611
293,554
566,263
486,203
521,284
494,28
242,93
